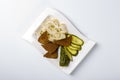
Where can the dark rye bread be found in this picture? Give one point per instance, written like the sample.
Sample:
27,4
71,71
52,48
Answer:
53,55
43,38
64,42
50,47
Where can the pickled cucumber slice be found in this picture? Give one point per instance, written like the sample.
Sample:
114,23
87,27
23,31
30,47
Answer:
68,53
72,52
76,40
77,47
64,59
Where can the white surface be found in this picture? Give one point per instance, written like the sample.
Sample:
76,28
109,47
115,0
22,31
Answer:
35,27
97,19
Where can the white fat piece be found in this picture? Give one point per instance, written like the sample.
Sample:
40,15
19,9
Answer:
55,30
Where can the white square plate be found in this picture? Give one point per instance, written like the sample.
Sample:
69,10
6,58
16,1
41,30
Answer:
30,37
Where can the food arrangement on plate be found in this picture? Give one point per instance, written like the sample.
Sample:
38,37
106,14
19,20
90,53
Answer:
54,35
58,40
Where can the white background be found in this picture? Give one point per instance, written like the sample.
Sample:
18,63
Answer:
97,19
